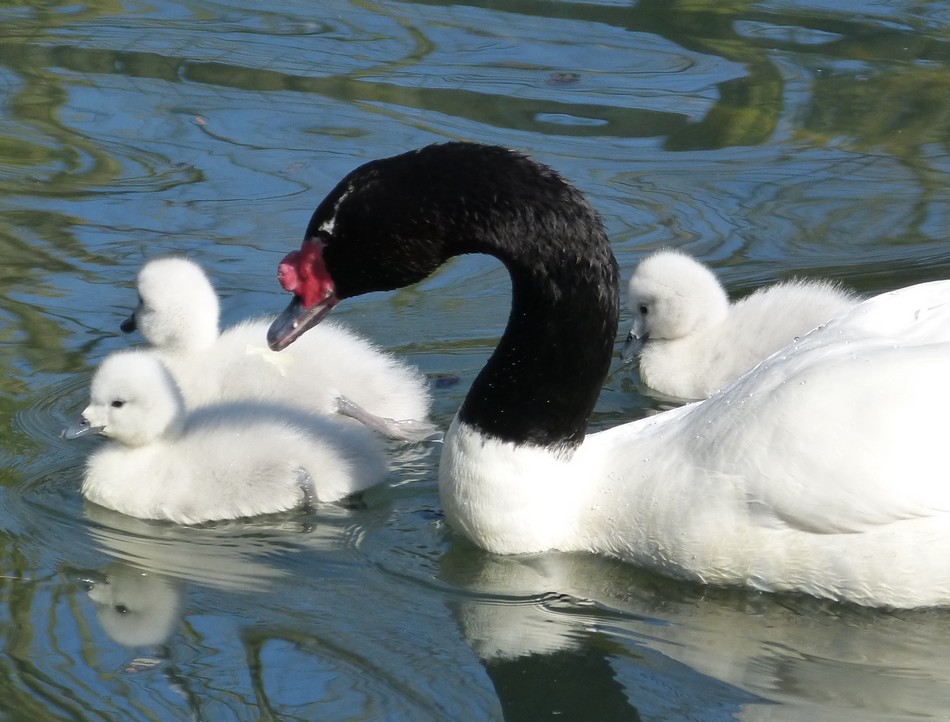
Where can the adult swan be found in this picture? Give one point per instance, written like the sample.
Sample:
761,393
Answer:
823,470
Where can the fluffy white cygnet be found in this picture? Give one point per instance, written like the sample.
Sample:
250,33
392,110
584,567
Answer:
220,461
692,341
178,314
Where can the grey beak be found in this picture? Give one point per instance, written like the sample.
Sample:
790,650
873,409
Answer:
632,347
81,428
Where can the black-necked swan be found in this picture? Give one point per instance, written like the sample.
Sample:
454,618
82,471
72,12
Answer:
220,461
824,470
691,341
178,314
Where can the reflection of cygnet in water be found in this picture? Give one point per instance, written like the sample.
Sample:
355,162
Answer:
223,557
136,609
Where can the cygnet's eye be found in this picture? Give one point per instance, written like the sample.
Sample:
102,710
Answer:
643,309
118,404
121,608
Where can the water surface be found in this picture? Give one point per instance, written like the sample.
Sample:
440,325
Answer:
771,139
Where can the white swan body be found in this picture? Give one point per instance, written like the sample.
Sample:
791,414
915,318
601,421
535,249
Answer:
178,315
221,461
692,341
823,470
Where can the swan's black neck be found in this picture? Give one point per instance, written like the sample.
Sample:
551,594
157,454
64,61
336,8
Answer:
393,222
541,383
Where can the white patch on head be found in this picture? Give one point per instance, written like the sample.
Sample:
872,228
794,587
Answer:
330,223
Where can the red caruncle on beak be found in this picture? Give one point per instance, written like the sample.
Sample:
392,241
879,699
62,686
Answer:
303,274
287,272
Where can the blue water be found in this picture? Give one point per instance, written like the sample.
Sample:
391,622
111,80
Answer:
770,139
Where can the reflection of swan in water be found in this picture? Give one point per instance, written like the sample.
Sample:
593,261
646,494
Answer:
135,608
795,658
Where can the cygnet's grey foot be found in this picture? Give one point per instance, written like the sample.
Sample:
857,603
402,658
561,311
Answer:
401,429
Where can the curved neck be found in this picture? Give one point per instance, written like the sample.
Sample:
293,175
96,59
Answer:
543,379
392,222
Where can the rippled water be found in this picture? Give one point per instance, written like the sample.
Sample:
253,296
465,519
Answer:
770,139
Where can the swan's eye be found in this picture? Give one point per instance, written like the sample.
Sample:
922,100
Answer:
643,309
118,404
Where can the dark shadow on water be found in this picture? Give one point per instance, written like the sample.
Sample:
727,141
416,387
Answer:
570,685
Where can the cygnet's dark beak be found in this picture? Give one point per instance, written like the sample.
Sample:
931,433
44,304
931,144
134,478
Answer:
632,347
297,318
81,428
128,325
89,579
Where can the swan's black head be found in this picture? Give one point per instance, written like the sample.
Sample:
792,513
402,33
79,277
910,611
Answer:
391,222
